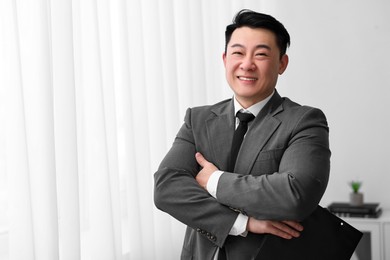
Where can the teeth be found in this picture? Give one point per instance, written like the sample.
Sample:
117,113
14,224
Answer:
245,78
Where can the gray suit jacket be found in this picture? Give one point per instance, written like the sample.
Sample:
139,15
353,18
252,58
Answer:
281,173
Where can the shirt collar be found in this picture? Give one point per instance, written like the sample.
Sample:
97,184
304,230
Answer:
254,109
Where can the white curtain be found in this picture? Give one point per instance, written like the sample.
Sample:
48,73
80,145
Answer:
92,95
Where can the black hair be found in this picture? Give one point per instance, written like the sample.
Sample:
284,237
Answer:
251,19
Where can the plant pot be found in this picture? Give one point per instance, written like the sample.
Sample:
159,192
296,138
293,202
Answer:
356,199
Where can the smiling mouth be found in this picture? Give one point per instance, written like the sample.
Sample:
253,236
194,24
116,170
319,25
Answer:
246,78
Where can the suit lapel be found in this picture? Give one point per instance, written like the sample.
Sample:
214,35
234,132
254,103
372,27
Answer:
220,130
263,127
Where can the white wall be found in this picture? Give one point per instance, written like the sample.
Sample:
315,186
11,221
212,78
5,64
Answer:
340,62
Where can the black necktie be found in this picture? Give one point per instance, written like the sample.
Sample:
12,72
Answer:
239,134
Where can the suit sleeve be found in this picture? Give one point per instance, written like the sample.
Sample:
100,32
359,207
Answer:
295,190
177,192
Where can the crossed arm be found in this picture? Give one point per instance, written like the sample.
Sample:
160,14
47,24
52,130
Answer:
285,229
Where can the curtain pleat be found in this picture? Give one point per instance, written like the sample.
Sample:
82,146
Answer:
139,100
109,102
65,129
37,97
20,213
99,235
130,202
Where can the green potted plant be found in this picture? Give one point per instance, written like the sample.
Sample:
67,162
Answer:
356,197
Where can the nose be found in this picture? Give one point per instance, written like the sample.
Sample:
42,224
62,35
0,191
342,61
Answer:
247,64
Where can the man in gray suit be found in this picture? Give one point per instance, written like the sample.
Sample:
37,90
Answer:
231,202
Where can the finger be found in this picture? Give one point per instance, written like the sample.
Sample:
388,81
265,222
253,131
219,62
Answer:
200,159
295,225
279,232
277,228
286,229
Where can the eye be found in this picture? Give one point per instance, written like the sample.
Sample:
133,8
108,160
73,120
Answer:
236,53
261,54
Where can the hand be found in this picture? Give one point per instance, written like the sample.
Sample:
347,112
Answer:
207,169
284,229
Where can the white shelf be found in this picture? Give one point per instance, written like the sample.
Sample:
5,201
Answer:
379,235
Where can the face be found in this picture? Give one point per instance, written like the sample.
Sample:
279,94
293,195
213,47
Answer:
252,64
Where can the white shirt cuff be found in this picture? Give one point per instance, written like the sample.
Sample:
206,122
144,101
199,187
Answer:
239,226
212,183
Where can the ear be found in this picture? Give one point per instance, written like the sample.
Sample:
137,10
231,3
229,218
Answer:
283,64
224,58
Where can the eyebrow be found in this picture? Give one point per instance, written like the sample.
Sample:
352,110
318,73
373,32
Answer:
259,46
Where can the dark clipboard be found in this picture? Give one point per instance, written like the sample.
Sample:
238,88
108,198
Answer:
325,237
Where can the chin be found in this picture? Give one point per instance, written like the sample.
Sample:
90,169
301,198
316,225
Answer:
246,94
